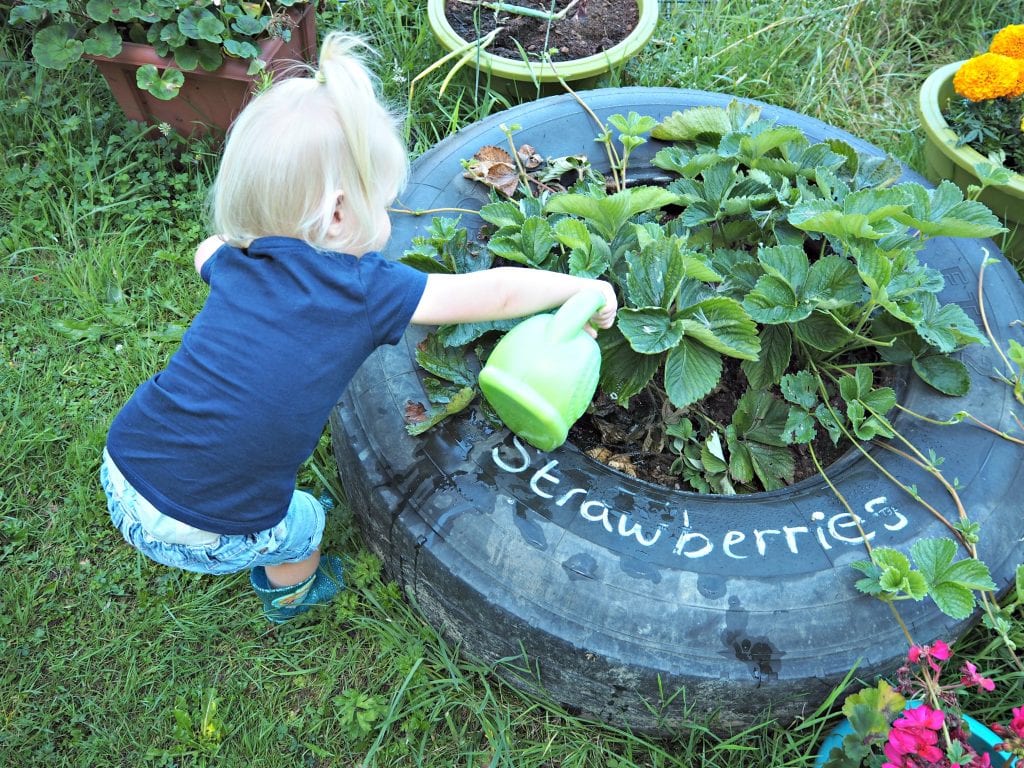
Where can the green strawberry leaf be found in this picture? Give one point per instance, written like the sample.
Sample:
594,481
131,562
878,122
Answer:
444,362
692,123
457,403
721,324
948,376
800,427
650,330
946,327
691,371
624,371
608,214
800,388
943,212
776,351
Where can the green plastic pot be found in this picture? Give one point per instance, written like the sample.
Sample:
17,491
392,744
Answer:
542,375
523,81
945,160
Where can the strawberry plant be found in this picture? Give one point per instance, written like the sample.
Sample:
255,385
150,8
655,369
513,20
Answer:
766,287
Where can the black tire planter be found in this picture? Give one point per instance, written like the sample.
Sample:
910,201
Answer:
631,602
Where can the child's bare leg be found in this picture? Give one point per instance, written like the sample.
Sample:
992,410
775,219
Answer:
289,574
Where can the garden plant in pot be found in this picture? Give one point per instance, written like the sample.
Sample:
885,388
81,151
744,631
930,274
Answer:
930,729
191,66
798,318
973,116
523,49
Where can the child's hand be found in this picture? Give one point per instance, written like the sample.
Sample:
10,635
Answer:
605,316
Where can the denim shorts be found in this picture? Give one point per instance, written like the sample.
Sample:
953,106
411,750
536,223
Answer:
170,542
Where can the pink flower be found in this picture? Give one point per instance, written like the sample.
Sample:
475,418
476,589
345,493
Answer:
914,734
1017,723
969,676
937,650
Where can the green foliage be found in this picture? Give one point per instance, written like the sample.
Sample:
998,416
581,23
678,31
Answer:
199,734
870,712
797,260
992,127
358,712
196,35
889,575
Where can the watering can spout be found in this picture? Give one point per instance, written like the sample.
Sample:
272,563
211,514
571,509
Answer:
542,375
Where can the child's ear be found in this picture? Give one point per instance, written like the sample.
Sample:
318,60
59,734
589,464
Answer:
334,229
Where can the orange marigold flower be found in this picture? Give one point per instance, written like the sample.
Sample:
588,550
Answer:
988,76
1009,41
1018,89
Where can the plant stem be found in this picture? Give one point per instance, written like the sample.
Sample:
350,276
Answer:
865,315
613,156
857,444
993,430
948,422
863,534
515,156
902,624
429,211
838,494
927,467
467,51
988,330
959,416
522,11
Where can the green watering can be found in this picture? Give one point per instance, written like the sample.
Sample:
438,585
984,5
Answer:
542,375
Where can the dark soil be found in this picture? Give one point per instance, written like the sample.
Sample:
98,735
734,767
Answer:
632,440
590,27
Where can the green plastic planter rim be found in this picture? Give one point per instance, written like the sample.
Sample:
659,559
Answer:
942,136
512,69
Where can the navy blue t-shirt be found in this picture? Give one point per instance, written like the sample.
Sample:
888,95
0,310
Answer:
215,440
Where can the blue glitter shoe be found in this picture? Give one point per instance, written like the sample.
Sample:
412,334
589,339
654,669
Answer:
326,499
283,603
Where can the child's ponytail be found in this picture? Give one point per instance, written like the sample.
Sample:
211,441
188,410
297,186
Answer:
379,160
300,143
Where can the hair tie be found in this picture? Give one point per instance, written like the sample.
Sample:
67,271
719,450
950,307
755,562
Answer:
320,77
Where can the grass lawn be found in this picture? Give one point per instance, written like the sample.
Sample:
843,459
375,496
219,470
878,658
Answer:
110,660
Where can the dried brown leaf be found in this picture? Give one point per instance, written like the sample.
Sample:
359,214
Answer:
529,157
414,412
623,463
620,461
492,154
494,167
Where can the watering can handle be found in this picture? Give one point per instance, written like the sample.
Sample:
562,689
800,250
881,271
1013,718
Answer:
574,314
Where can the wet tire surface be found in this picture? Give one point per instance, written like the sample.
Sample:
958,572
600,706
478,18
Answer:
632,602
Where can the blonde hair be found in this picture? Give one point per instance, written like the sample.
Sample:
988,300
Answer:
299,144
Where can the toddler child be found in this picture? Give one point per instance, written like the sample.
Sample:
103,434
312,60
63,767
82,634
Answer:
200,465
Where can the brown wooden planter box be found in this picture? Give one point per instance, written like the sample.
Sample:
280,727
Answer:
208,101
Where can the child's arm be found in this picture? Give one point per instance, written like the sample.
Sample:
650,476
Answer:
505,292
206,249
